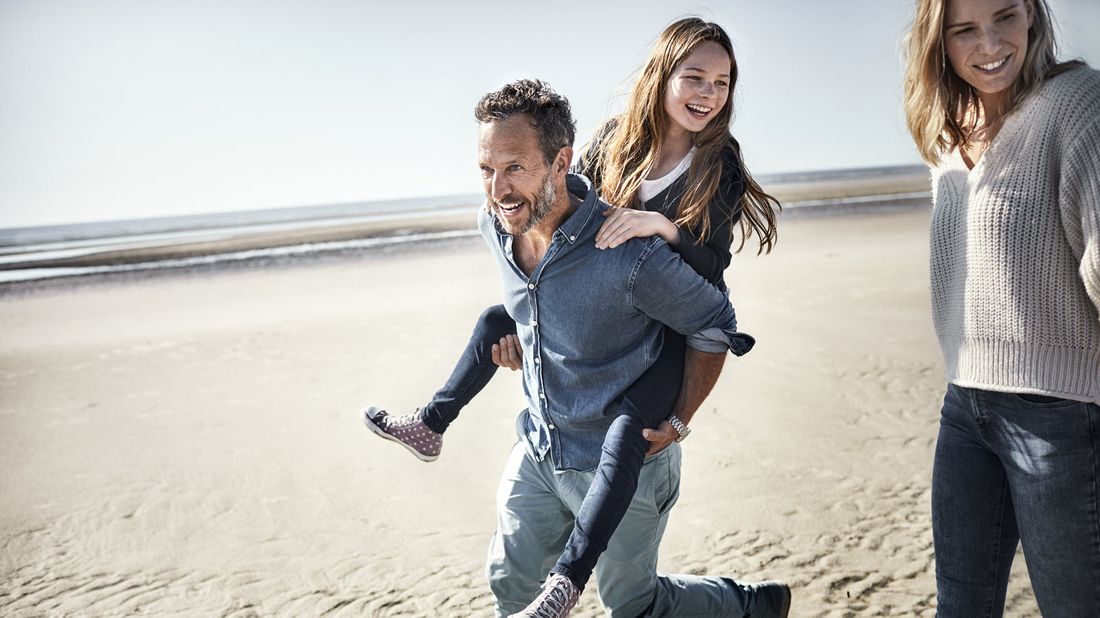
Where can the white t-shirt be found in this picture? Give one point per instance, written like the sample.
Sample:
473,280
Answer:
651,188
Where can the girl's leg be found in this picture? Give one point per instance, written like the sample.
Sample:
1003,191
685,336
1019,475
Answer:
421,432
474,369
646,403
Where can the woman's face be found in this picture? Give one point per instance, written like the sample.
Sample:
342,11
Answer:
698,88
986,41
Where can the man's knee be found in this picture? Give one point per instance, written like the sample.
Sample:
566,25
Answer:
513,584
625,592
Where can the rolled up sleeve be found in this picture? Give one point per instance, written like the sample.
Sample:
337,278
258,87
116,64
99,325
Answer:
666,289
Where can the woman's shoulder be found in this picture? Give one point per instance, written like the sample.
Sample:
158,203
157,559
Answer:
1074,77
1071,96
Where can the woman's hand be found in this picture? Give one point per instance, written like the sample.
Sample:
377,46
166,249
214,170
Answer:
625,223
507,353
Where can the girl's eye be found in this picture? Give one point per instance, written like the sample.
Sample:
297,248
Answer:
1006,17
962,31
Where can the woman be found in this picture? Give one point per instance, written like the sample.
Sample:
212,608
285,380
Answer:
672,164
1013,138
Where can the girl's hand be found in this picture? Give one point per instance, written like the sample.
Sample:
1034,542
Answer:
625,223
507,353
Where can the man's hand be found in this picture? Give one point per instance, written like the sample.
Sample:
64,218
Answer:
660,438
507,353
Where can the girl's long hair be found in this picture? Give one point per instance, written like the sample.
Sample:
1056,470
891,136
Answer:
941,108
632,147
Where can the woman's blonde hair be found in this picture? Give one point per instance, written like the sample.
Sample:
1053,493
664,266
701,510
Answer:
632,147
940,106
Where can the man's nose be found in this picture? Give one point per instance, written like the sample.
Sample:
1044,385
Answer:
499,187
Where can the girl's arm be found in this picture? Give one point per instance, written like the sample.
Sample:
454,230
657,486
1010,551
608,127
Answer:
709,258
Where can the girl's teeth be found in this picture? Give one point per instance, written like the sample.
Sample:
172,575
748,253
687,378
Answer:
992,65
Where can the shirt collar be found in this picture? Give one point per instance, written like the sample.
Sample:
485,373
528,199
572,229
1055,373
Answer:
572,227
578,185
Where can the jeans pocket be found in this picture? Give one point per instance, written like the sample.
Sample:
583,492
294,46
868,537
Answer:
1043,401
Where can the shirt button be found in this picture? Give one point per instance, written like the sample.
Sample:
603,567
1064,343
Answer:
536,360
542,395
530,286
551,426
534,323
572,238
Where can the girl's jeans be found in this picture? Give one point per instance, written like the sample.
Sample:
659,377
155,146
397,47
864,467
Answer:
645,404
1011,468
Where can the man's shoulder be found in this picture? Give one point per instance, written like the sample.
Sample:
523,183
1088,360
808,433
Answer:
636,252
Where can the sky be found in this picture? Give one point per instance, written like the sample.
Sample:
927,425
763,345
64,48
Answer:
117,109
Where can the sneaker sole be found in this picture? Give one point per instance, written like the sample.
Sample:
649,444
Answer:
369,422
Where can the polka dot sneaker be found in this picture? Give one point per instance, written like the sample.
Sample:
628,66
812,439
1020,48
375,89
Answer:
558,597
408,431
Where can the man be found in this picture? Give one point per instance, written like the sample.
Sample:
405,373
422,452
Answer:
589,322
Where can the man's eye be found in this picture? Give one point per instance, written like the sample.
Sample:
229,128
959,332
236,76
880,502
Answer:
486,172
514,168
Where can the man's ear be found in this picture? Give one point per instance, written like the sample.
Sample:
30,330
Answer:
563,160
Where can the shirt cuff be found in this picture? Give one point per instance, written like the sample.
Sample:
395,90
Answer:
717,341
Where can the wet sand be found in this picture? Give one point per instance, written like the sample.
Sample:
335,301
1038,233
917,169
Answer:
189,444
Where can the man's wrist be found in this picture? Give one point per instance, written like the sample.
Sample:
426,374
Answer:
682,430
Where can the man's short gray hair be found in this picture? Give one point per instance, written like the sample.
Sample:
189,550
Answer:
549,112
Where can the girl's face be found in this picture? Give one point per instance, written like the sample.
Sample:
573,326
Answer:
986,41
698,88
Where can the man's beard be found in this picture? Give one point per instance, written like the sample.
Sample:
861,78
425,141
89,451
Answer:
540,206
544,201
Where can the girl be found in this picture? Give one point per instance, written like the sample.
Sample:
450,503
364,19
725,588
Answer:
672,166
1013,138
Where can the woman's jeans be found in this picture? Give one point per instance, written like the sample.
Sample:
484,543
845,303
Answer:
1013,468
646,403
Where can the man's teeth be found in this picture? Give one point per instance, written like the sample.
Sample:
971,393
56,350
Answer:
993,65
507,208
699,109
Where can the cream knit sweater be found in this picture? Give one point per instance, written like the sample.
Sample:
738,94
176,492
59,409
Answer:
1015,249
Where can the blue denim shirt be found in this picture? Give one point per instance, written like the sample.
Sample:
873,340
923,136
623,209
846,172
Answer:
589,322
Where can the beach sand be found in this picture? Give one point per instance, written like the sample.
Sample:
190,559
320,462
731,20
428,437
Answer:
190,444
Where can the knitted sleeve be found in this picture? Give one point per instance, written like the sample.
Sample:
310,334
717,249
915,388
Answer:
1079,195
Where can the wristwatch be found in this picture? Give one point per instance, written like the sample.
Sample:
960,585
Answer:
680,427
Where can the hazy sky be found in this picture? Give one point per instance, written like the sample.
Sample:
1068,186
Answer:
131,108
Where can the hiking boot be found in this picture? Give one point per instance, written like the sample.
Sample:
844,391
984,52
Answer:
773,600
408,431
557,599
